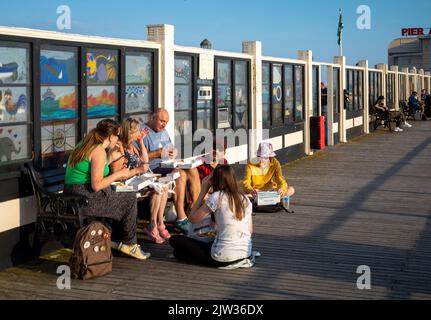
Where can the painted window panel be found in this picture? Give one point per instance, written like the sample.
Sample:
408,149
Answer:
102,101
182,99
288,93
241,95
14,143
57,138
182,120
277,94
14,64
355,89
265,73
138,68
241,73
183,70
138,98
14,104
205,116
102,66
58,67
266,120
266,98
224,73
350,89
224,96
241,119
58,103
299,93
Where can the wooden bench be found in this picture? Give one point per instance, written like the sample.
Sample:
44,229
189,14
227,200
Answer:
58,214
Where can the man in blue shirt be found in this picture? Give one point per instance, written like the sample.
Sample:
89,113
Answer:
414,103
159,146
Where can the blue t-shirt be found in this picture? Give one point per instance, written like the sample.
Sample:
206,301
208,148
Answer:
154,141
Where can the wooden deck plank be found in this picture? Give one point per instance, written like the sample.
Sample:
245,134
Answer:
366,202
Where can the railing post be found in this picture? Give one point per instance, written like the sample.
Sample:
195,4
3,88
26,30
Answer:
397,88
164,34
365,95
427,81
421,81
384,68
415,80
407,88
254,48
330,106
307,56
341,60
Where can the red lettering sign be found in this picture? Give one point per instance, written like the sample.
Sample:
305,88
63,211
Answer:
413,31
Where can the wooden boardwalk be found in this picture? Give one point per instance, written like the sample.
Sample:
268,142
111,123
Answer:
367,202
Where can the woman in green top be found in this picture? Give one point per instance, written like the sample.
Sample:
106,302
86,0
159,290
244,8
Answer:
87,174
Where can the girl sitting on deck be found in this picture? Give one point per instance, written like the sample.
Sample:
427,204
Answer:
232,210
264,174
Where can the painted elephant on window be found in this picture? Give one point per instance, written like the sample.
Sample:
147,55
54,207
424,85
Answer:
6,148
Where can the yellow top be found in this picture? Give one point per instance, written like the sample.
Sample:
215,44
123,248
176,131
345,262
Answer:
264,179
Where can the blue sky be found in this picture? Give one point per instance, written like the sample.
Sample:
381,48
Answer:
283,26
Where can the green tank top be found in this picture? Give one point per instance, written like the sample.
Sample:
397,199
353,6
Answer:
81,173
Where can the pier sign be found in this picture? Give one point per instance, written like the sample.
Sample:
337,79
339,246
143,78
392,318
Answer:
415,31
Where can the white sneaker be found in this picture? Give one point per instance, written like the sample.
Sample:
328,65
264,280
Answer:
408,125
398,129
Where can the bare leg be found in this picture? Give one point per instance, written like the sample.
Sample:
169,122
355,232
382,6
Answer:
155,204
194,184
161,213
180,191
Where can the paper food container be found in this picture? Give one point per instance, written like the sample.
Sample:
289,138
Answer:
268,198
133,184
182,164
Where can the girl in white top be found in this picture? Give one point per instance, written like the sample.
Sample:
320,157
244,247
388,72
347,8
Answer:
232,212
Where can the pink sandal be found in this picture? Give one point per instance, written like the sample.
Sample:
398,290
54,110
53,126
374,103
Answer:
154,235
164,233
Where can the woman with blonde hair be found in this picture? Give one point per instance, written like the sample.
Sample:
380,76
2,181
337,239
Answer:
127,154
87,174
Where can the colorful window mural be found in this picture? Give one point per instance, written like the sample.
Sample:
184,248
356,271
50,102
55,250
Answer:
266,119
102,86
15,107
241,95
277,95
288,93
14,143
224,94
183,103
102,101
14,64
299,93
139,69
102,66
58,102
